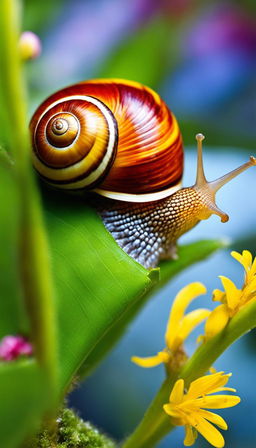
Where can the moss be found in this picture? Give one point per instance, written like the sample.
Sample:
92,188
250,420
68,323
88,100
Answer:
73,432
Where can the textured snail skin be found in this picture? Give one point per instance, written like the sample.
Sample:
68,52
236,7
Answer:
148,232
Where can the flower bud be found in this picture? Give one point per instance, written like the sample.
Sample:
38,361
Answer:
30,45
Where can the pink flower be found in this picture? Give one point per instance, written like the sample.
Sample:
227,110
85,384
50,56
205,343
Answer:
12,347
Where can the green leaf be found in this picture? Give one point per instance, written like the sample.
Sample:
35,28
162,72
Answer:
96,281
23,400
100,288
143,56
188,255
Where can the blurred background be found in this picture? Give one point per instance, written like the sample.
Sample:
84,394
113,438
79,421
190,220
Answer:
201,57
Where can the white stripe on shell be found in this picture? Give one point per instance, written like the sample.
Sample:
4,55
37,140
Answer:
111,142
146,197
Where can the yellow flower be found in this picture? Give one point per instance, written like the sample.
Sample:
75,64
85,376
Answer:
232,299
189,409
179,327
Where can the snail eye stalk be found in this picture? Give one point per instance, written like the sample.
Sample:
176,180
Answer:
209,189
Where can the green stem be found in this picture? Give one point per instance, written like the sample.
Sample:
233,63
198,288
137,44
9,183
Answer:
156,424
34,256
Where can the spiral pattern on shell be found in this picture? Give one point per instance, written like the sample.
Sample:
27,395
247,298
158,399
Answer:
113,135
75,141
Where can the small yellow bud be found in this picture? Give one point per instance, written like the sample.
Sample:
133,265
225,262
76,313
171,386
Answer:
30,46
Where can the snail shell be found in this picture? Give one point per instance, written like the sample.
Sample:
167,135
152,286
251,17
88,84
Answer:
115,137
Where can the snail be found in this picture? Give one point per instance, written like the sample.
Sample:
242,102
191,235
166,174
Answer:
117,138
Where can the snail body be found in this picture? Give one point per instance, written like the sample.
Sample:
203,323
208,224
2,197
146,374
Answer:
148,232
118,139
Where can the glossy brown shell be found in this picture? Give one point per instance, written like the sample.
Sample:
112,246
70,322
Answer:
147,151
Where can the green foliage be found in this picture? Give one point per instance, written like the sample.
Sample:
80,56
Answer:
73,432
24,398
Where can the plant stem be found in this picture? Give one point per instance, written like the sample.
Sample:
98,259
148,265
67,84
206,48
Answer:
156,424
34,256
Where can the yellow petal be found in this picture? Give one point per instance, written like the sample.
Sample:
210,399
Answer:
190,321
218,296
249,290
217,321
247,256
222,389
210,433
171,410
253,268
252,283
245,259
218,401
190,435
177,392
214,418
205,384
151,361
233,294
181,302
